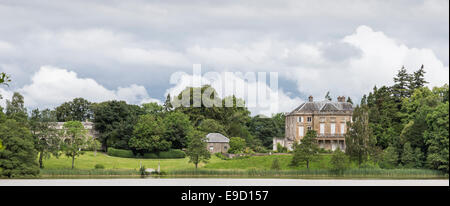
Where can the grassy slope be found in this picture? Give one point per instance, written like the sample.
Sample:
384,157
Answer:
88,161
265,162
259,165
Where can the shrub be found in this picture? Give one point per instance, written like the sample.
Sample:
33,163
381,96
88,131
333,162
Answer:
261,149
325,151
120,153
221,156
275,164
281,149
150,156
248,150
171,154
237,145
99,166
339,162
93,145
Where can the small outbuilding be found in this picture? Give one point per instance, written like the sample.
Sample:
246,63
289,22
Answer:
217,142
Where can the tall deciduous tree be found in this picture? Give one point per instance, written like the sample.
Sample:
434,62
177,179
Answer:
390,158
153,108
46,139
237,145
407,158
115,121
211,126
177,128
196,150
437,138
359,139
307,150
148,135
78,109
15,109
76,139
18,156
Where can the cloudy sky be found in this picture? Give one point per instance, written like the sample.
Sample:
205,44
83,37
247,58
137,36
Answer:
101,50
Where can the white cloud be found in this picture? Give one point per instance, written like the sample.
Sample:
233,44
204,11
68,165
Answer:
51,86
227,84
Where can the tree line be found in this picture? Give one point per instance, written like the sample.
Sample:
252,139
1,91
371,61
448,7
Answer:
400,126
149,127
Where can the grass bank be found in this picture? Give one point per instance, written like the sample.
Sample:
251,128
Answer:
256,166
317,173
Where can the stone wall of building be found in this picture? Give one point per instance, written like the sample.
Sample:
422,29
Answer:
215,147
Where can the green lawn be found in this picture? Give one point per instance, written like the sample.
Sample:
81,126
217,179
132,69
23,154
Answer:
252,166
88,161
265,162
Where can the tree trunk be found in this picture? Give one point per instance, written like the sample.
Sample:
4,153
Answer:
73,160
41,165
307,164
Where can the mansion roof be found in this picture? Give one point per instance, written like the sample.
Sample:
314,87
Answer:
323,107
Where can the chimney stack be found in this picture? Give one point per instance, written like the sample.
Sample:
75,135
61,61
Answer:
310,98
341,98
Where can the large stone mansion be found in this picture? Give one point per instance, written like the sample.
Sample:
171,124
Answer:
329,119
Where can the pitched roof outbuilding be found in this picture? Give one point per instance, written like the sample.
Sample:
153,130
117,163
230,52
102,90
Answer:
217,137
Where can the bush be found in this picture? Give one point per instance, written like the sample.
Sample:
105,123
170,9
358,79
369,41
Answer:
221,156
99,166
120,153
93,145
325,151
260,149
237,145
339,162
171,154
275,164
281,149
174,153
248,150
150,156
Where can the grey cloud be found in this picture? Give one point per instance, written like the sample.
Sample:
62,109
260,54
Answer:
171,29
340,51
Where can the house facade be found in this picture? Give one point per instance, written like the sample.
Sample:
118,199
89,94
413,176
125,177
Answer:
89,126
328,118
216,142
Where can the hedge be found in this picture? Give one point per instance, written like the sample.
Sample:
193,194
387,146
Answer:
171,154
120,153
175,153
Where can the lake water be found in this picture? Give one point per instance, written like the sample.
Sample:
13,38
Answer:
219,182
